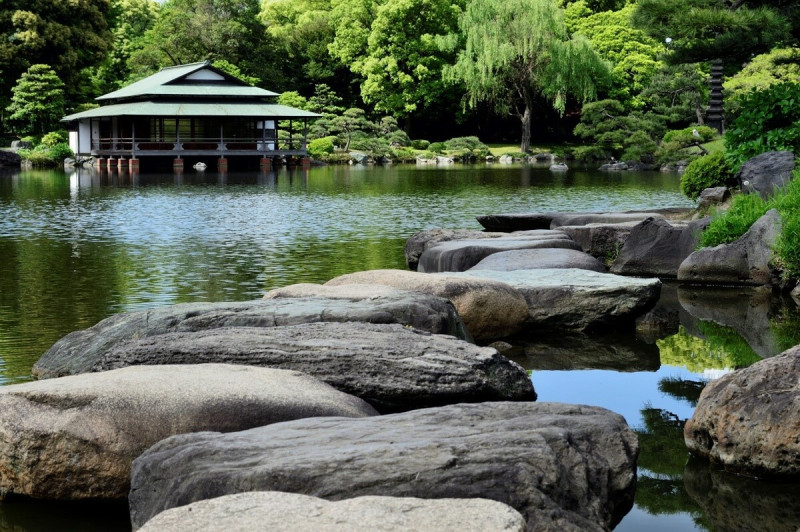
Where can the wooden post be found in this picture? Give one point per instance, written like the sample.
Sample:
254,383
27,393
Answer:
112,163
133,165
266,163
177,164
122,164
222,164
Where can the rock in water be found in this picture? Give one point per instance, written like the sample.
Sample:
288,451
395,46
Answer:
75,437
461,255
273,510
390,366
530,259
419,242
745,261
563,467
576,299
489,309
749,420
78,351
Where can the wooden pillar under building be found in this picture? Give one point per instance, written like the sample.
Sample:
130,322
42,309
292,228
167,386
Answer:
306,162
99,162
177,164
122,164
266,163
222,164
133,165
112,163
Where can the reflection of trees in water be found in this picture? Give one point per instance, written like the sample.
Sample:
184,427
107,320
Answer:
684,389
662,460
722,348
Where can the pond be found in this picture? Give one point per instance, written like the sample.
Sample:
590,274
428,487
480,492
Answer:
78,247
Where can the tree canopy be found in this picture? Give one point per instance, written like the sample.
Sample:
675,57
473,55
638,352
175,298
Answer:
518,51
38,101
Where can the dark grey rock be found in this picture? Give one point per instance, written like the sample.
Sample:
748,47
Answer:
75,437
613,167
563,467
710,197
531,259
516,222
390,366
602,241
745,261
17,145
764,173
656,247
461,255
419,242
78,351
9,158
748,421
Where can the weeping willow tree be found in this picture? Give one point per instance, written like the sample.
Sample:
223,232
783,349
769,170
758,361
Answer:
519,51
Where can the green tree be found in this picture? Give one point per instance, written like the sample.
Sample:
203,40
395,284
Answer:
519,51
705,30
402,68
633,55
37,103
352,124
69,36
778,66
614,133
128,21
302,31
678,94
196,30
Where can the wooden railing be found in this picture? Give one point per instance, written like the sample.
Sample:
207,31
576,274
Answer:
215,145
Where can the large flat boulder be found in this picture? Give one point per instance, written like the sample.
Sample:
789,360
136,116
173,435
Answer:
748,421
507,223
461,255
531,259
78,351
488,309
422,240
75,437
656,247
563,467
745,261
602,241
767,172
391,366
274,510
577,299
601,218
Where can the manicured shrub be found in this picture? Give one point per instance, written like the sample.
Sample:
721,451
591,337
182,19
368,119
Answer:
43,155
55,137
60,151
768,120
398,138
420,144
705,172
318,148
437,147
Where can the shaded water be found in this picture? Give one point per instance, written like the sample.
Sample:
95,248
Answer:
76,248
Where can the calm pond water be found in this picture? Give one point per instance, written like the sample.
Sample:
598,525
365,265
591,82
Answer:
78,247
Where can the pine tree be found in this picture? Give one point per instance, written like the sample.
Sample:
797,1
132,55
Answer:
37,103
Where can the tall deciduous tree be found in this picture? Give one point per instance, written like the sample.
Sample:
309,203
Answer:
68,35
195,30
38,101
518,51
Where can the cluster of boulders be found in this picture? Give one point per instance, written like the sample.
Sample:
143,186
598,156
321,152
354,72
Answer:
369,394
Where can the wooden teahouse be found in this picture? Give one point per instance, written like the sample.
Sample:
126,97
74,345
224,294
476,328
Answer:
189,113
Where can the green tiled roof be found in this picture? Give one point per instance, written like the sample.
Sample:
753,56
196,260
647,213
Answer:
244,109
162,83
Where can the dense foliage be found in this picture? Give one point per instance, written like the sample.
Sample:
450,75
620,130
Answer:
706,172
768,119
432,65
37,103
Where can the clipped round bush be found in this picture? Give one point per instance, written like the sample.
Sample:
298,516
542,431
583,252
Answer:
55,137
420,144
437,147
706,172
318,148
398,138
60,151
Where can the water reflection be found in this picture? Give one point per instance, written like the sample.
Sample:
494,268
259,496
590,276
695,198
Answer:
78,247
